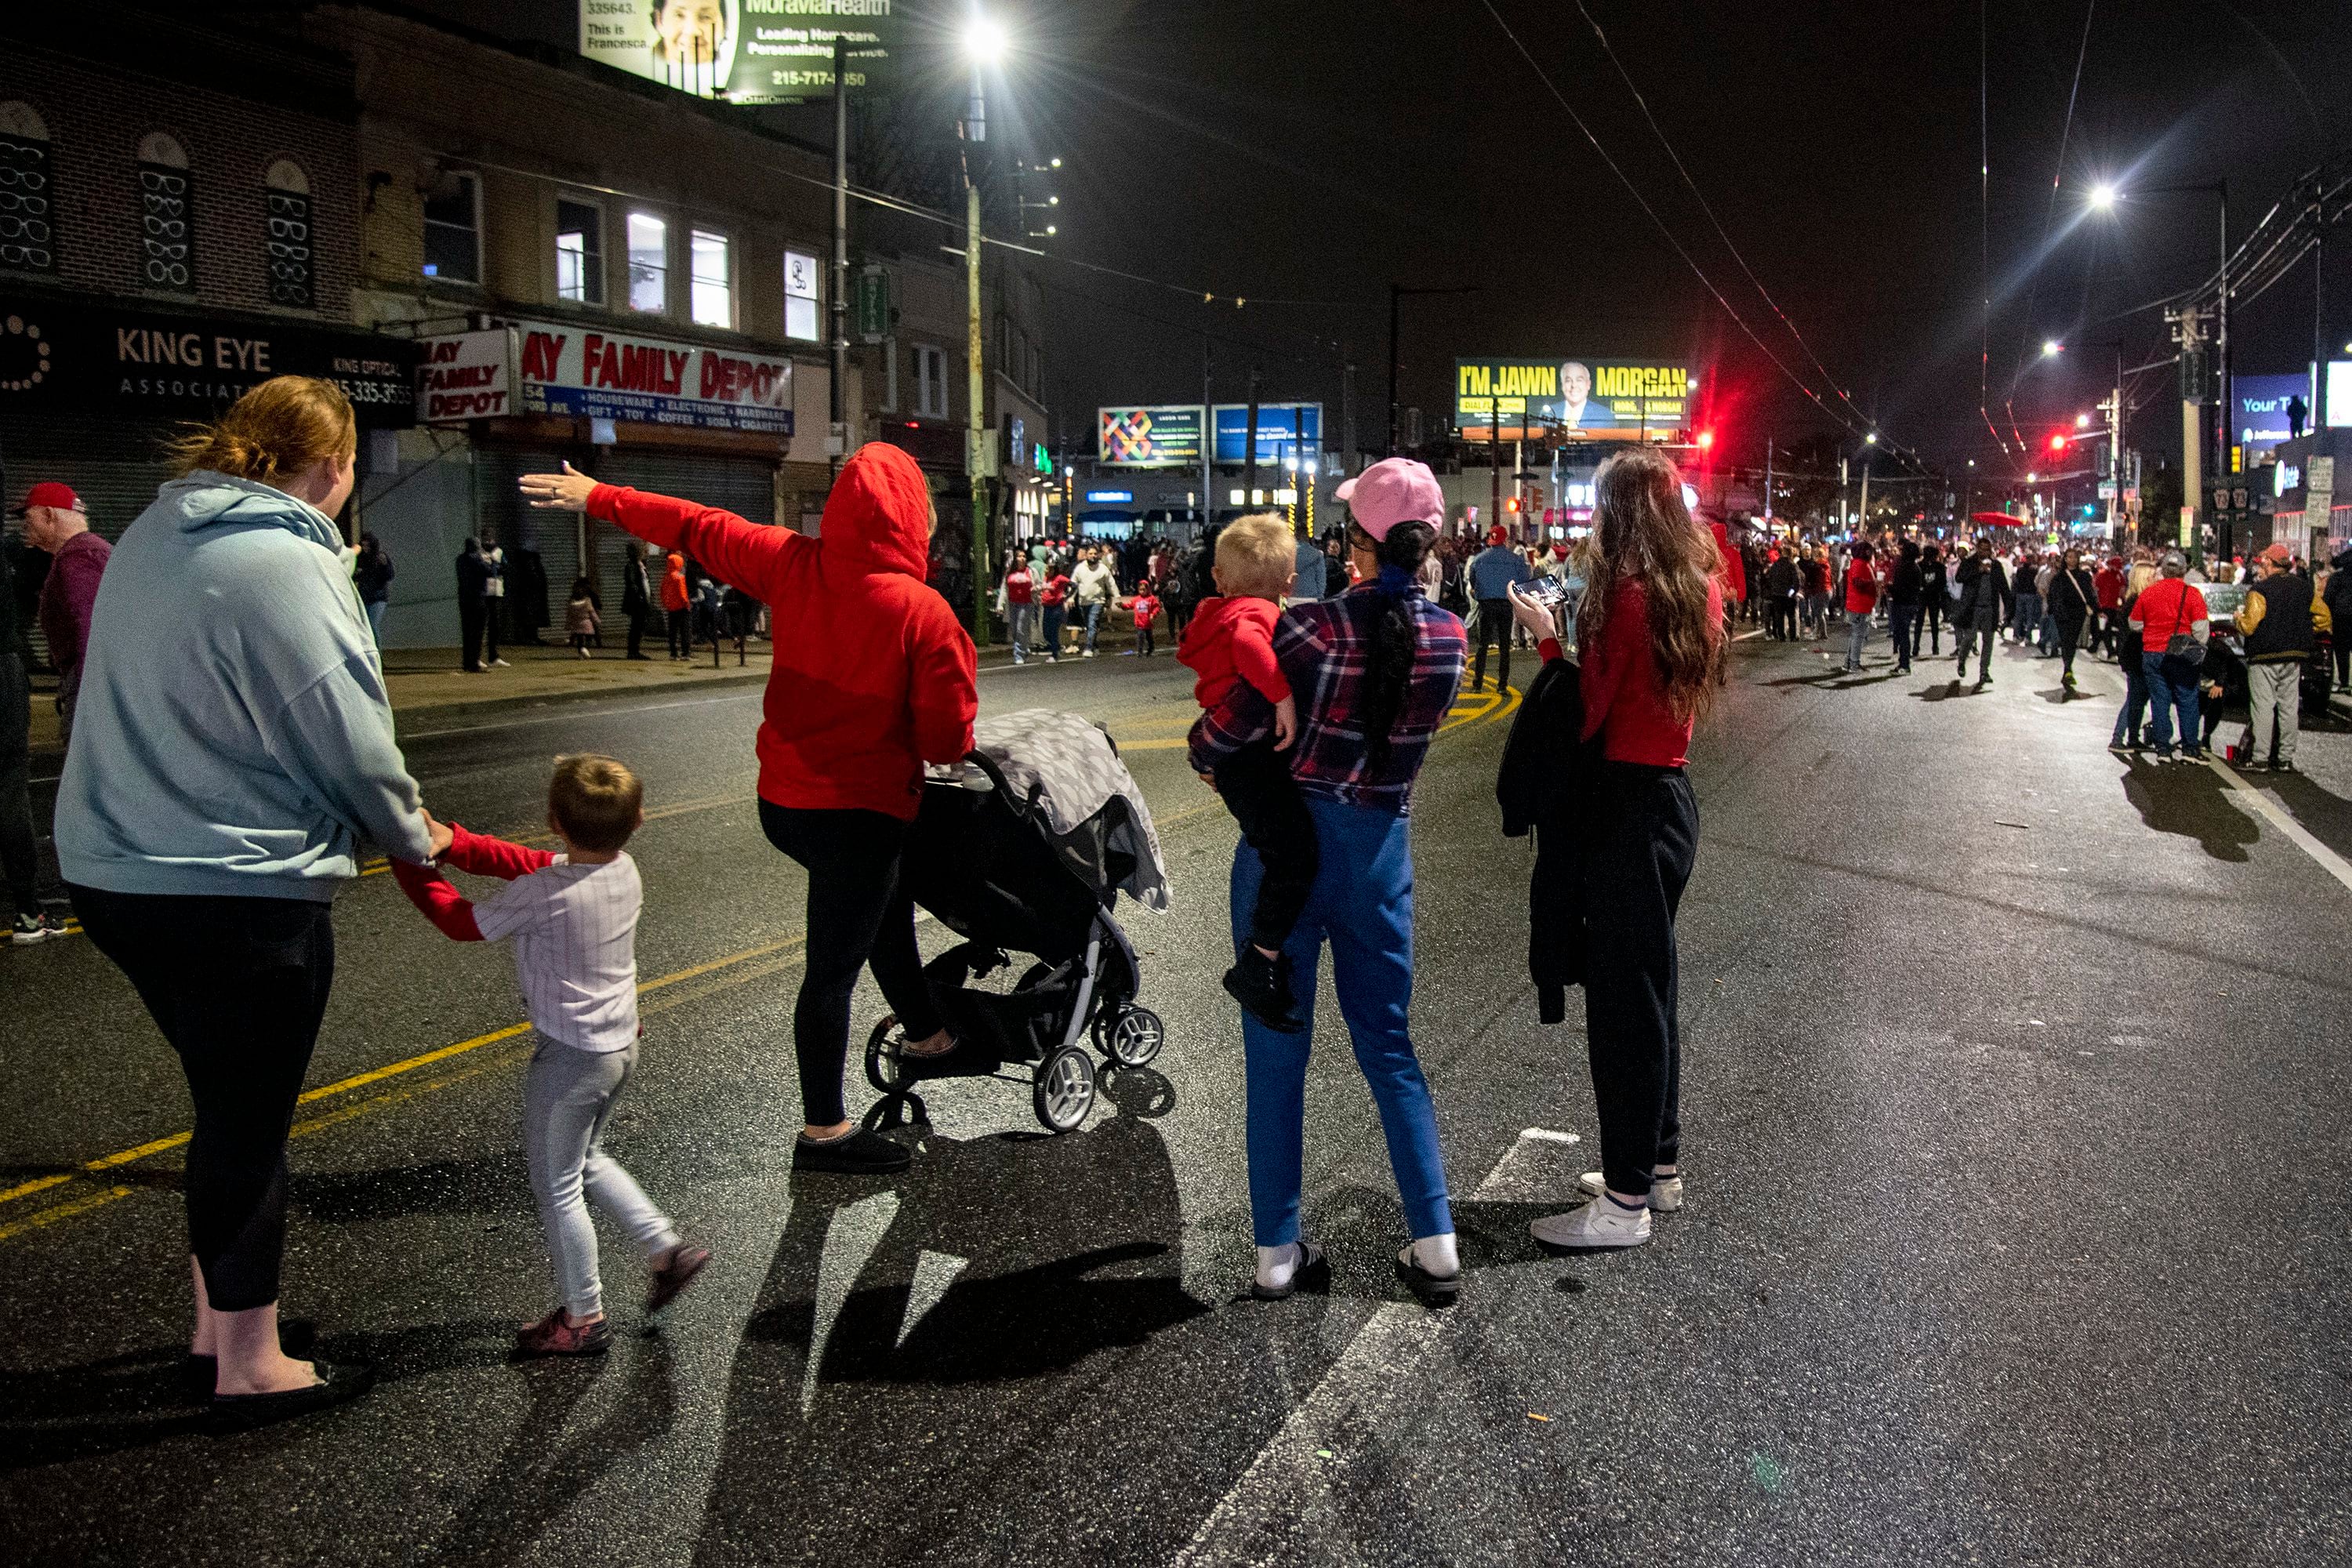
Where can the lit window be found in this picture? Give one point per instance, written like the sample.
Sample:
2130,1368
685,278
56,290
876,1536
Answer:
714,287
930,383
648,263
803,294
579,252
453,230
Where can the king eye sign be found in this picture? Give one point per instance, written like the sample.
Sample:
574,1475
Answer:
589,374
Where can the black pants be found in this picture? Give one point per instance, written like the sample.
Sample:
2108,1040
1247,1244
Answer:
1641,841
19,850
636,633
681,633
1931,623
492,610
1254,782
1982,638
1495,626
2070,639
858,914
471,619
238,986
2343,636
1904,620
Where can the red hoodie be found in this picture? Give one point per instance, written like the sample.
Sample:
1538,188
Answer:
1231,637
674,591
873,678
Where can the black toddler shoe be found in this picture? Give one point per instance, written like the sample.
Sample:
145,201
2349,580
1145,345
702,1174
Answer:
1262,986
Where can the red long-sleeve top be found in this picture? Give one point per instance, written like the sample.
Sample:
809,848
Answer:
873,677
1624,702
451,912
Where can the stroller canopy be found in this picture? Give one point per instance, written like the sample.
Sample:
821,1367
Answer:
1067,765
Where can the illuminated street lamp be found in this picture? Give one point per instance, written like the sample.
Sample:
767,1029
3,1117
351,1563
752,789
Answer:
2051,348
2082,422
2103,197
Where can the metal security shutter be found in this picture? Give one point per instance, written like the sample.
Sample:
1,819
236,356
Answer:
542,547
744,485
115,467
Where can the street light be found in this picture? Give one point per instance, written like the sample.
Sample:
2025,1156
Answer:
2082,422
983,39
1872,439
2103,197
2051,348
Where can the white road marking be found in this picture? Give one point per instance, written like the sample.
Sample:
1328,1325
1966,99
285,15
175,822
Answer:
1286,1498
934,1272
2247,794
855,1230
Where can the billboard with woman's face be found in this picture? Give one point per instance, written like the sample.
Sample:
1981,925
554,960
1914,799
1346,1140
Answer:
745,51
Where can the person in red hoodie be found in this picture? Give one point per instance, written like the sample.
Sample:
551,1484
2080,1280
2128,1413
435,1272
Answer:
1146,606
876,680
678,602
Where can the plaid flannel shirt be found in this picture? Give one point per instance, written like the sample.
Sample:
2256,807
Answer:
1325,647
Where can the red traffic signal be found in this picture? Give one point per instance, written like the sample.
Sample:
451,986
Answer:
2058,443
1706,440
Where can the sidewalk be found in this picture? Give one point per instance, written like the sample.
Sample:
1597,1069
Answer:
429,683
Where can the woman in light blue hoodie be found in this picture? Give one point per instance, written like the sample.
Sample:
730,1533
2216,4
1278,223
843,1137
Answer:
233,744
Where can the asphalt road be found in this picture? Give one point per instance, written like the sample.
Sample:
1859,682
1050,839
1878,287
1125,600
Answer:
2014,1110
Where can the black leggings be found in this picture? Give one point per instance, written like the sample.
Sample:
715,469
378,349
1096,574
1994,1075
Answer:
238,986
1930,625
858,914
1641,840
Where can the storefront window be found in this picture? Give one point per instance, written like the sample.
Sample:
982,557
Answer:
453,230
648,263
714,281
579,252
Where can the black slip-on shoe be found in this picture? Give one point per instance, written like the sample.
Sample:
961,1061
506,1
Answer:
1313,1273
861,1154
338,1383
1435,1291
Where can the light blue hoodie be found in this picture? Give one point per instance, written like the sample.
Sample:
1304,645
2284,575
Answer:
233,735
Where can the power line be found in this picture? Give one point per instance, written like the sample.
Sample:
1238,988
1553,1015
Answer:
1688,260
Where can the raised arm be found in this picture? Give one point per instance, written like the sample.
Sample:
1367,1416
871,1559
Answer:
737,551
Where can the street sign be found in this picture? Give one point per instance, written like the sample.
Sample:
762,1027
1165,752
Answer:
873,306
2107,491
2240,498
2222,500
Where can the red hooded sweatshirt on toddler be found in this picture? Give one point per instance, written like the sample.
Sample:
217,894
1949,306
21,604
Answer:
1231,637
873,678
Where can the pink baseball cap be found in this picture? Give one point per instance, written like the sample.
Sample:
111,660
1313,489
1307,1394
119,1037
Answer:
1393,491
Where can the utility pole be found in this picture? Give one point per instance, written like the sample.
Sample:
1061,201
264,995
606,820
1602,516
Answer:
1249,450
1768,483
976,448
1494,457
1396,293
1844,515
1348,416
1862,523
837,446
1208,437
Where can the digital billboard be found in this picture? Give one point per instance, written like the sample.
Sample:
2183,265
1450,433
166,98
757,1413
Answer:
1595,399
1284,430
1162,435
2259,422
745,51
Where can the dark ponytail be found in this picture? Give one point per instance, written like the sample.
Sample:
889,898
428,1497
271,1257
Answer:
1397,636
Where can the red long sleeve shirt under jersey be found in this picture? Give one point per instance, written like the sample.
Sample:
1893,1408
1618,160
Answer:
450,910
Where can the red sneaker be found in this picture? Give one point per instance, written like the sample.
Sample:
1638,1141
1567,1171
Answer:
673,1274
555,1335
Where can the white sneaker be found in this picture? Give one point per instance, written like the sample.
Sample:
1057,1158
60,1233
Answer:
1666,1192
1598,1225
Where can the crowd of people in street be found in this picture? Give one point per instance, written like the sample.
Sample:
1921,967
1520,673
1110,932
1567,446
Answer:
233,748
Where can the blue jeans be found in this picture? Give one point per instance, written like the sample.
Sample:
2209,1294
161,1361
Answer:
2172,687
1094,623
375,619
2134,708
1051,641
1362,903
2025,616
1020,626
1857,634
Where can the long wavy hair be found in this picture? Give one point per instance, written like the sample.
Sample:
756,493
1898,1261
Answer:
1643,532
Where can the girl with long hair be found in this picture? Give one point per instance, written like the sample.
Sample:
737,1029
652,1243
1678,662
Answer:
1374,671
1651,641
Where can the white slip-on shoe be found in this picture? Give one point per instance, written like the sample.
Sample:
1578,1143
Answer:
1666,1192
1600,1224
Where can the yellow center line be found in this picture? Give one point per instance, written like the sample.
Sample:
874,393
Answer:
1490,707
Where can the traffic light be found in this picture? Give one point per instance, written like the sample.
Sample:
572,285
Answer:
1511,505
2058,443
1706,440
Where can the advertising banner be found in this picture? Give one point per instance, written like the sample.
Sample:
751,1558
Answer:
745,51
1284,430
1163,435
468,375
2260,422
1591,399
148,362
595,374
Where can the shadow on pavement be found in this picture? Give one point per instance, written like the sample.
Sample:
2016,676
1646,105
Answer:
499,1184
2189,802
2326,817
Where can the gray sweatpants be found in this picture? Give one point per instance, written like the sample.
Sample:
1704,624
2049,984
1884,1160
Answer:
566,1096
2274,694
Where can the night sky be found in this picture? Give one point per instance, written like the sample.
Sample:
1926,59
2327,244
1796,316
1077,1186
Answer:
1304,156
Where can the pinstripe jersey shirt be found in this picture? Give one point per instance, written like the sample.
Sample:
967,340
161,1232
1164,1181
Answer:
575,949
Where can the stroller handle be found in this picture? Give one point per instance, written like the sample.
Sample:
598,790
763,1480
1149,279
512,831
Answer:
982,773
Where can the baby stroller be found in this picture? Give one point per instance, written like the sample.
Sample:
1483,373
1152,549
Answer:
1024,850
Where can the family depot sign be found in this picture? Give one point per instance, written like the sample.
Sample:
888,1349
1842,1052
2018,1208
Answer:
538,367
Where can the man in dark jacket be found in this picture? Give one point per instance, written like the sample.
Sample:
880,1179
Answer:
473,606
1905,592
2279,622
637,599
1986,601
2338,601
1781,597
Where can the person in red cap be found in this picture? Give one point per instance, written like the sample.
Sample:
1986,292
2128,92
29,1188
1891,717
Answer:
55,522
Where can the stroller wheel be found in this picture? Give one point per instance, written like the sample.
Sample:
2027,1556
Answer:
884,1070
1063,1090
1133,1038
